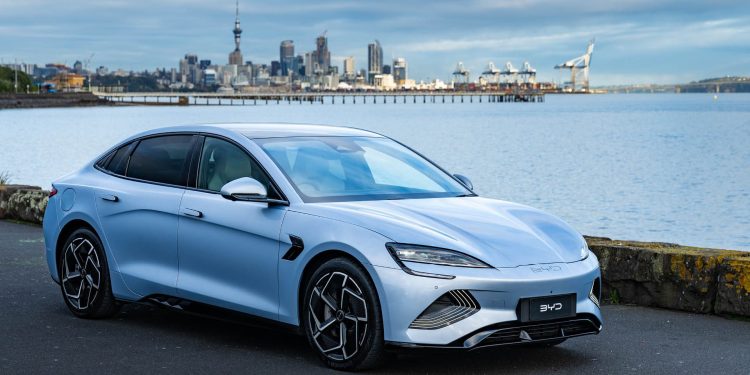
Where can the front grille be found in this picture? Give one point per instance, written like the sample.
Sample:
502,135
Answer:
535,332
446,310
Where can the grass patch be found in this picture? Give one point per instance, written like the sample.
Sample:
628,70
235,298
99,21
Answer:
5,178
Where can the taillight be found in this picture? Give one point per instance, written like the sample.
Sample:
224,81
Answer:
52,192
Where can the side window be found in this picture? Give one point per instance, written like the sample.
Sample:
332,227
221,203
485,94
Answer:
222,162
161,159
119,161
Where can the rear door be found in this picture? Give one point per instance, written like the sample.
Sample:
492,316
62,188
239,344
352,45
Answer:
138,204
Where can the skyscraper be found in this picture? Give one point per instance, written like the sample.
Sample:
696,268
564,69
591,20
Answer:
349,72
321,55
235,58
399,71
286,57
374,60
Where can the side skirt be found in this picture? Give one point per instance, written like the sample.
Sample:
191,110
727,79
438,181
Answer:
185,306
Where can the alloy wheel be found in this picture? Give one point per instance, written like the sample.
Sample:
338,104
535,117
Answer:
338,316
81,273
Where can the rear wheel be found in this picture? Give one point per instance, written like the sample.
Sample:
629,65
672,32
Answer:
84,276
341,316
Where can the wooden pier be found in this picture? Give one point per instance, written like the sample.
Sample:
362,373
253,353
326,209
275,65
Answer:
339,98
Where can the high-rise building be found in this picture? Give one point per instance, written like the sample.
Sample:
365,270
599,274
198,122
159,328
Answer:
204,64
349,72
321,55
286,57
374,60
235,58
275,68
386,69
299,65
399,71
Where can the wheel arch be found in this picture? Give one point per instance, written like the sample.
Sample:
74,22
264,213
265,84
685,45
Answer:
323,256
70,227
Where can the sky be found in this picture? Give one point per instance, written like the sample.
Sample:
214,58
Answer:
637,41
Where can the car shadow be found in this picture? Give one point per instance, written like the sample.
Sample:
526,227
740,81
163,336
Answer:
288,346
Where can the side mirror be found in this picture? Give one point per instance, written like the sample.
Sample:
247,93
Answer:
464,181
244,189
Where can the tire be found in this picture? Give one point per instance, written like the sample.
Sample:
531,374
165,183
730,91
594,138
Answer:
340,298
84,276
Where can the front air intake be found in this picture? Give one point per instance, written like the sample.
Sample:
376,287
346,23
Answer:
446,310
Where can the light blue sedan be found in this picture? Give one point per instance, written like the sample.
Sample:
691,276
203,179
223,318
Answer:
349,237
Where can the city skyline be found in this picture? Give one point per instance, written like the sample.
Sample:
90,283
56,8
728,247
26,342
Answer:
638,41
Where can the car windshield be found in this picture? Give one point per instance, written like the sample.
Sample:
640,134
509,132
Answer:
328,169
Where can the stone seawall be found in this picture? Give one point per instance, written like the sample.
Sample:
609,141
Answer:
83,99
642,273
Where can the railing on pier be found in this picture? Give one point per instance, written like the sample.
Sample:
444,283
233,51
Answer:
163,98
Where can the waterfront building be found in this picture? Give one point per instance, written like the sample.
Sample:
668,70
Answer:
286,57
399,71
209,77
235,57
374,60
384,82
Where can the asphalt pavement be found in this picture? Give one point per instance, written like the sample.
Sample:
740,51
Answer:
39,335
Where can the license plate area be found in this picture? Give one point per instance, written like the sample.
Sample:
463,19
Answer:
547,308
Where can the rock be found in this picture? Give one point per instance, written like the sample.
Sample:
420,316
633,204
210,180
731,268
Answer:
733,294
673,276
28,205
6,191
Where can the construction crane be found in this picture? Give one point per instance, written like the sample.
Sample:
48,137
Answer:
492,72
510,73
461,72
579,66
528,72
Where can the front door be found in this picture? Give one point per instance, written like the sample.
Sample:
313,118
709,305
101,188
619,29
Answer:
229,250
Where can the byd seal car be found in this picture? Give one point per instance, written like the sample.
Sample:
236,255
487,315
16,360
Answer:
355,240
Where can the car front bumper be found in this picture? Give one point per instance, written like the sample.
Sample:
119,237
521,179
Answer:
498,292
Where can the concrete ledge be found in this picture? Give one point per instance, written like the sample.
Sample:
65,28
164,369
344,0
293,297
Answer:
642,273
673,276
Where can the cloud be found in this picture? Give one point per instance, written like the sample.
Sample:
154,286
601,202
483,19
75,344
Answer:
640,39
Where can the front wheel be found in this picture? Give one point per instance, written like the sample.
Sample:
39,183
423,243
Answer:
341,316
84,276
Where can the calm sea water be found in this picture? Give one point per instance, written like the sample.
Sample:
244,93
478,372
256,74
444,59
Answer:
670,168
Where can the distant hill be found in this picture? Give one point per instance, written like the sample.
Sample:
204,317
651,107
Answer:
722,84
7,79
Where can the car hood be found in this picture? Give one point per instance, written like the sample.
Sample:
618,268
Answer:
502,234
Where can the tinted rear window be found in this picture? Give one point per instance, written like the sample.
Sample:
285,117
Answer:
119,161
161,159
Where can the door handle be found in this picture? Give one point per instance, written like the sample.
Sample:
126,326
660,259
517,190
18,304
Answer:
192,212
109,197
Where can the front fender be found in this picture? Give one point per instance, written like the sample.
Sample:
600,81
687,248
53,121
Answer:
364,245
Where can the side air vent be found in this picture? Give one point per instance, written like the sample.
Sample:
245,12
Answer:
446,310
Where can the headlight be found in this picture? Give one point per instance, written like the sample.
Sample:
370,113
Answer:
585,251
432,255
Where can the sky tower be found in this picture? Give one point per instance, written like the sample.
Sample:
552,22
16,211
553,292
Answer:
235,57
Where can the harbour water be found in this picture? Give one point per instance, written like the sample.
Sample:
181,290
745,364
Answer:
673,168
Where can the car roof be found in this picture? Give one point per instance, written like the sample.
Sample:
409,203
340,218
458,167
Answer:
277,130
